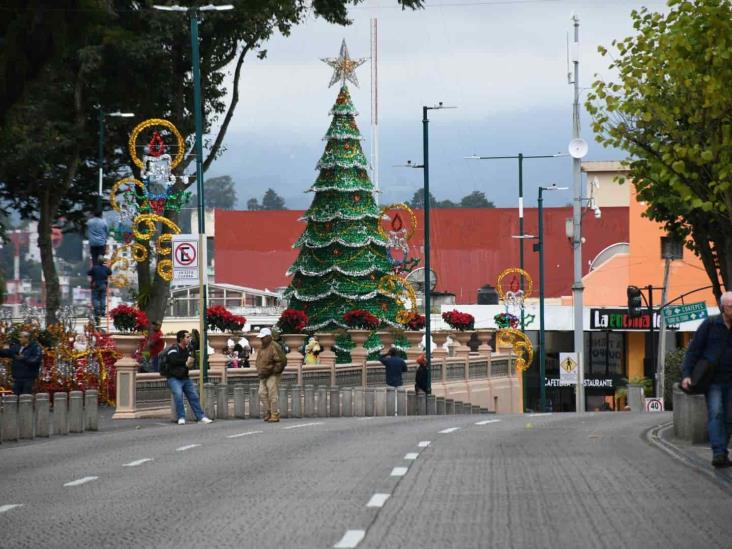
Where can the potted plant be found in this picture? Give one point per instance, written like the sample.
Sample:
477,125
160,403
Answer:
291,325
462,322
222,320
128,320
361,323
414,324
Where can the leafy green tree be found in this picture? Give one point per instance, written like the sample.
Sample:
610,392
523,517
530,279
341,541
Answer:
253,204
272,201
417,200
447,203
476,199
670,111
219,192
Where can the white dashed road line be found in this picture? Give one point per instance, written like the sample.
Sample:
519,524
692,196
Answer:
303,425
188,447
424,444
540,415
377,500
449,430
80,481
137,462
364,418
245,434
411,455
487,421
350,539
4,508
399,471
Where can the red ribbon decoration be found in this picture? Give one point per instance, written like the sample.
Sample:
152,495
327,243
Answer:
156,147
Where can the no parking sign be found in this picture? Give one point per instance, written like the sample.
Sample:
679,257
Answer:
185,259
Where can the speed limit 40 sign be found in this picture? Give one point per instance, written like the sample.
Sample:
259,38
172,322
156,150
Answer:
654,405
185,258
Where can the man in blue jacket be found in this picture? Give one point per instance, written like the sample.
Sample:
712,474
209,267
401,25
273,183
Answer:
713,341
27,356
393,367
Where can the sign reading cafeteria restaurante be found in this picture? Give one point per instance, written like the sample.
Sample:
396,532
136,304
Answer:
619,319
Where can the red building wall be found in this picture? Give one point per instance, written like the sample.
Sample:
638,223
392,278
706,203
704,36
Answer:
470,247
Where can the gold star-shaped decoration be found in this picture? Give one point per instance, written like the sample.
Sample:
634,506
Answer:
343,66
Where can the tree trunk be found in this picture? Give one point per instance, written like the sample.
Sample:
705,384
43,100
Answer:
53,289
706,255
157,305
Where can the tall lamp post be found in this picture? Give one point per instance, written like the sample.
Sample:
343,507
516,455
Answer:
198,148
100,162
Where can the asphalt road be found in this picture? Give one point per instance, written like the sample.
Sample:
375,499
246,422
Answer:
457,481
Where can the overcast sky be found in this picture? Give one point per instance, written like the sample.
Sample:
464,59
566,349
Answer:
503,63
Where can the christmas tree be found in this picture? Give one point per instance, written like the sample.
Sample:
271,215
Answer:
343,254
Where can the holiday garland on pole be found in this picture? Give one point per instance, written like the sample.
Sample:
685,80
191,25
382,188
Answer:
343,254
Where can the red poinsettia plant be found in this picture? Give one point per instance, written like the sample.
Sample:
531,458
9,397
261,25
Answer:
129,319
414,321
220,318
361,319
292,321
459,321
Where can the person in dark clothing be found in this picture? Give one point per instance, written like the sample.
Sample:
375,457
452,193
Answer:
393,367
421,384
713,341
27,356
97,234
176,363
99,275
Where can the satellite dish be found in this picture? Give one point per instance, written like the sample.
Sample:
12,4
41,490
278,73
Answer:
416,279
578,148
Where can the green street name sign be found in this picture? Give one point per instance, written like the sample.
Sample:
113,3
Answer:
675,314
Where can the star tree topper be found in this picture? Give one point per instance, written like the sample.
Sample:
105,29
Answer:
343,66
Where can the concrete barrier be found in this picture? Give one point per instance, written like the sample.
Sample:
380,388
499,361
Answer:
222,401
421,404
60,417
368,401
359,402
401,401
254,402
76,412
296,401
209,406
335,402
322,401
240,410
636,398
380,401
449,407
411,403
440,406
25,417
309,401
43,415
690,416
474,409
346,402
466,407
431,405
390,401
10,417
91,410
284,401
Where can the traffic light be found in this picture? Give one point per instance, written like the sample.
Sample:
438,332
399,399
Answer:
635,302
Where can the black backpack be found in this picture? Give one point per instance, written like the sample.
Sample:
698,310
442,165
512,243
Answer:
163,362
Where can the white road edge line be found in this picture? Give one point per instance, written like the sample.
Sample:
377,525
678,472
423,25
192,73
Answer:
449,430
399,471
303,425
378,500
364,418
188,447
137,462
487,421
80,481
350,539
540,414
424,444
245,434
411,455
10,506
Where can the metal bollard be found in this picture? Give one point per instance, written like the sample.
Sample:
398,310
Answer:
309,401
421,404
411,403
43,415
239,403
431,405
284,401
60,417
209,408
440,406
390,401
296,401
346,402
401,401
254,402
380,401
334,402
76,412
368,401
322,401
25,416
359,409
10,417
91,410
222,401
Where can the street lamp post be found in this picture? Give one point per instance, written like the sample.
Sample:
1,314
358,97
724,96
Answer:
198,149
100,162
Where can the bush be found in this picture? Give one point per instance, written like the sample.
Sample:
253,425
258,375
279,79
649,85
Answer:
129,319
459,321
219,318
672,373
361,319
292,321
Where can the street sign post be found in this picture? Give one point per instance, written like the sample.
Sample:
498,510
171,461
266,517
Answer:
675,314
185,259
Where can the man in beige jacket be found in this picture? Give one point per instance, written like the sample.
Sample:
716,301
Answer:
270,363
